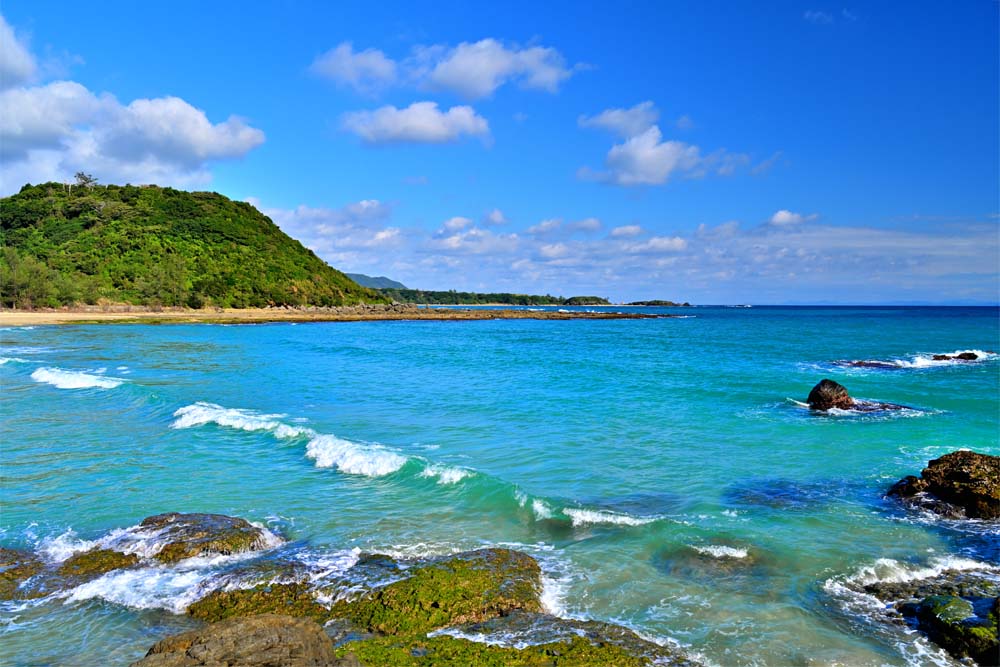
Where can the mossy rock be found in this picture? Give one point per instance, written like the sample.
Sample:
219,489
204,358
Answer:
16,567
189,535
954,624
421,651
466,588
88,565
294,599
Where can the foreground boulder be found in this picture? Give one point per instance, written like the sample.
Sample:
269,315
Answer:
955,610
959,484
189,535
829,394
268,640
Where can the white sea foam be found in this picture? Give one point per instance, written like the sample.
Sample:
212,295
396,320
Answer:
353,458
59,548
541,510
247,420
446,474
893,571
928,361
172,588
63,379
721,551
147,541
15,360
583,516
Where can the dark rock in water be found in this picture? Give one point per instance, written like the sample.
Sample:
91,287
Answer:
294,599
88,565
957,610
829,394
963,356
467,587
190,535
953,623
966,480
17,567
269,640
883,365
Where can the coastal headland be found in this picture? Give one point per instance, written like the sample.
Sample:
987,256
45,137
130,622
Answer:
361,313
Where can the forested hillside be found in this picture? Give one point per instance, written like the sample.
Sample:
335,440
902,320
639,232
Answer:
155,246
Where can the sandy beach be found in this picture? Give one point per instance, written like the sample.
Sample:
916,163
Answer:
137,315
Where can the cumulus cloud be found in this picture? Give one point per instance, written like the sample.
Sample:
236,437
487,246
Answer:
495,217
624,122
785,217
17,64
818,17
53,130
421,122
644,157
472,69
365,71
476,241
545,227
456,223
585,225
626,231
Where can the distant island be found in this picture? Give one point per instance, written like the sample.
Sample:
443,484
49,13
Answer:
84,243
451,297
659,302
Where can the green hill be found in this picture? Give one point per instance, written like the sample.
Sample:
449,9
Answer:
375,282
156,246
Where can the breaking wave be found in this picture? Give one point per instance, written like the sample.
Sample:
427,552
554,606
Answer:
63,379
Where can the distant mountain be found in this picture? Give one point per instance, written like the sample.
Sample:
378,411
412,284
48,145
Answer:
156,246
376,282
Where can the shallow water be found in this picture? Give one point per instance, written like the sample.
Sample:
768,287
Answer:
659,469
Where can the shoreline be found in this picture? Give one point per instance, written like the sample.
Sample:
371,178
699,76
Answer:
19,318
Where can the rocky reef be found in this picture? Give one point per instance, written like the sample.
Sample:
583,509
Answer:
827,395
956,610
189,535
962,484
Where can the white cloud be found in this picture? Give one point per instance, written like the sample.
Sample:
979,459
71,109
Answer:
585,225
785,217
476,241
53,130
646,159
659,244
365,71
818,17
472,69
684,123
456,223
626,231
545,227
17,65
496,217
421,122
624,122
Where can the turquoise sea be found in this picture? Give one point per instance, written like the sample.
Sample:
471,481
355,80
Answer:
658,469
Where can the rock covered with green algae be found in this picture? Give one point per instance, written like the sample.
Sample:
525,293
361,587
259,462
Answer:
82,567
292,599
268,640
959,625
189,535
16,568
956,610
962,483
468,587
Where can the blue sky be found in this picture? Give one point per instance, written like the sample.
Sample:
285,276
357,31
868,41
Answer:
715,152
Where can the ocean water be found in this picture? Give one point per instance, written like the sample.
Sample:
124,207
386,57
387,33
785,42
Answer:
660,470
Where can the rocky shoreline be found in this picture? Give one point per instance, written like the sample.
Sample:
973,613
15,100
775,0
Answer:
361,313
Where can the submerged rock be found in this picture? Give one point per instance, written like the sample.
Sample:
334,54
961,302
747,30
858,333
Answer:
961,483
189,535
962,356
16,568
269,640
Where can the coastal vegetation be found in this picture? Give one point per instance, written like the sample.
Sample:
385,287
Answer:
62,245
451,297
